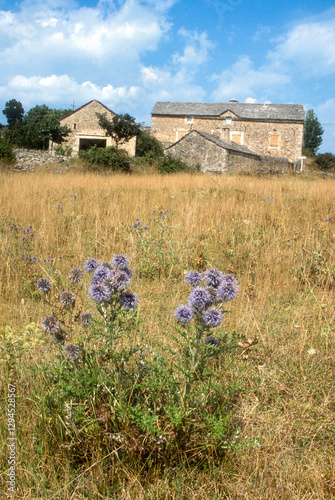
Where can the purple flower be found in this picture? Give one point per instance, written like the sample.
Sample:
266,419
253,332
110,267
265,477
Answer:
212,317
213,277
67,298
86,318
129,300
184,314
228,289
120,261
91,265
71,351
117,281
145,228
193,278
101,274
44,285
212,341
51,325
137,224
99,292
199,298
76,274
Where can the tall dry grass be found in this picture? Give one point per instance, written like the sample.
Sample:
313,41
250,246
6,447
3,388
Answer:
275,236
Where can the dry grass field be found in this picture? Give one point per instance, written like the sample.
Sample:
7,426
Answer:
276,235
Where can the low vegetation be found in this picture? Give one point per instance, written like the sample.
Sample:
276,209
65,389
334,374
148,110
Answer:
127,385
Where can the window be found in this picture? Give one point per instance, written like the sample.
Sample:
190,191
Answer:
228,120
74,126
189,119
274,141
236,137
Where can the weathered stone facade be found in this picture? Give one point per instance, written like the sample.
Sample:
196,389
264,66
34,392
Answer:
266,129
217,156
86,131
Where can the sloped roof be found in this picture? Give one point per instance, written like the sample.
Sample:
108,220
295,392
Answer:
243,110
232,146
87,104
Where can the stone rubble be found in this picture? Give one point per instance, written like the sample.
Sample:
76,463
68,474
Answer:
30,160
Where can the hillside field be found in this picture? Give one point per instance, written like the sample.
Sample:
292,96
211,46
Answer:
275,235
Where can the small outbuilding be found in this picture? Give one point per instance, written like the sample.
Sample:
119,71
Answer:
86,131
213,155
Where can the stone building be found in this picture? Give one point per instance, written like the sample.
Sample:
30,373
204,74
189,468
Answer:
213,155
266,129
86,131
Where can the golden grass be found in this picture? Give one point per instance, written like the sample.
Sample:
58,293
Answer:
272,234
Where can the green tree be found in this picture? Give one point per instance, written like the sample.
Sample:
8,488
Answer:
148,145
51,130
121,128
36,114
13,111
312,132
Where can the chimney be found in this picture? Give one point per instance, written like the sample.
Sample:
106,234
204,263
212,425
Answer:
233,100
225,134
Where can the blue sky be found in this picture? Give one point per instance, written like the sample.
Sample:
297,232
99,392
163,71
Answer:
130,54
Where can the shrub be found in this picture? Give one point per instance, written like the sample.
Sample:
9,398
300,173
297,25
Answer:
171,165
147,145
6,152
325,161
109,159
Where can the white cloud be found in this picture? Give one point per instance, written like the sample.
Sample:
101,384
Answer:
308,48
196,50
243,80
58,37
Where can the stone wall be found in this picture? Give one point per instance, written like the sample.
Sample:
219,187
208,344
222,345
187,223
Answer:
255,135
196,149
29,160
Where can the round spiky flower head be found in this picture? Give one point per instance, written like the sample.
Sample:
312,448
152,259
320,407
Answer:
101,274
199,298
228,289
193,278
91,265
129,300
67,298
118,281
71,351
44,285
99,292
51,325
212,341
212,317
120,261
86,318
184,314
76,274
213,277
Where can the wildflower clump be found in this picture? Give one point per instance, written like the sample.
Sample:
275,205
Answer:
204,310
108,288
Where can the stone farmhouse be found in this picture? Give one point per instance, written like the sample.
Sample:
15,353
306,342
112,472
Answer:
217,156
265,129
86,131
